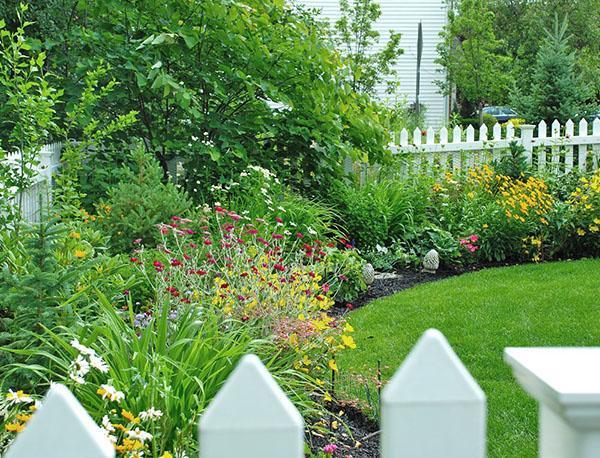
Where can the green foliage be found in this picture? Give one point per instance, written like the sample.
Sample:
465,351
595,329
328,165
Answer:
46,275
139,202
387,259
259,193
556,90
27,114
175,365
357,39
82,121
343,272
514,164
223,84
521,22
472,55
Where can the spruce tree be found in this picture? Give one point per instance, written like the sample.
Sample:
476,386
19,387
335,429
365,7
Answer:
556,91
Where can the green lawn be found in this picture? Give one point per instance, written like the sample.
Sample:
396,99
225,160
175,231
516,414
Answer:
481,313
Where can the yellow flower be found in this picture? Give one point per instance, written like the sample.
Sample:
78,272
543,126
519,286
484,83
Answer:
593,228
327,397
580,232
24,417
348,341
129,416
166,455
15,427
332,365
348,328
75,235
485,226
79,254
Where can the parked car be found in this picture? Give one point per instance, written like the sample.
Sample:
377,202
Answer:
502,114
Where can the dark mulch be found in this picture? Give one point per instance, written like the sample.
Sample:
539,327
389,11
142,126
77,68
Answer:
362,439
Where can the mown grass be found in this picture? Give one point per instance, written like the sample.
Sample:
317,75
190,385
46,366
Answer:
481,313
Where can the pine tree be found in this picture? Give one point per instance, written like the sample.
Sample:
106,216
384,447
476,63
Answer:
556,91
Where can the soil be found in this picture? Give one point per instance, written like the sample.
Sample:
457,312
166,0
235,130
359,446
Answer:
363,440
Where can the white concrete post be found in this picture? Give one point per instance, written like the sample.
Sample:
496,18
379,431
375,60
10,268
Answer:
433,407
566,383
61,428
527,141
251,417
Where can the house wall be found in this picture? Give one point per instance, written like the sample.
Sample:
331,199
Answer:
403,16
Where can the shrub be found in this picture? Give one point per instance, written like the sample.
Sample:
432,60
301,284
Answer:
258,192
139,202
343,273
48,272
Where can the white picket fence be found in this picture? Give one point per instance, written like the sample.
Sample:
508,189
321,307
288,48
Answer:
431,408
562,150
41,183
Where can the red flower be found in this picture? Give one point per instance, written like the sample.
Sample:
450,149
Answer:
137,241
279,267
252,231
176,218
278,219
201,272
277,236
207,242
349,306
159,266
176,262
134,260
299,235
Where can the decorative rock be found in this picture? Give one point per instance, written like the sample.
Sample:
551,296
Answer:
431,261
386,275
368,274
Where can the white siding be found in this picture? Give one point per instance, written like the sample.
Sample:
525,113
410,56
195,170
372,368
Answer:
403,16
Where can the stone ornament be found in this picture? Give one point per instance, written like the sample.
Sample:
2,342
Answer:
368,274
431,262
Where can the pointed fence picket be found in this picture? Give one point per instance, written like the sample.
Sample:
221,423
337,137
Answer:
428,150
431,408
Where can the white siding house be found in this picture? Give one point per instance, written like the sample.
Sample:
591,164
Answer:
403,16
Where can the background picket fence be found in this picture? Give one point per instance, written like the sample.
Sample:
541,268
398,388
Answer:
41,183
431,408
562,149
427,151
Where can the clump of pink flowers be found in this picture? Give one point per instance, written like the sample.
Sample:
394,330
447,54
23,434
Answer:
330,449
470,243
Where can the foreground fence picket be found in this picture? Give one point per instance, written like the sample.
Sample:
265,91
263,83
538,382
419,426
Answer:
251,417
61,428
431,408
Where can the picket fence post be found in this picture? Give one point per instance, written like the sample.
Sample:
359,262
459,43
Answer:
251,417
61,428
566,384
527,141
432,407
